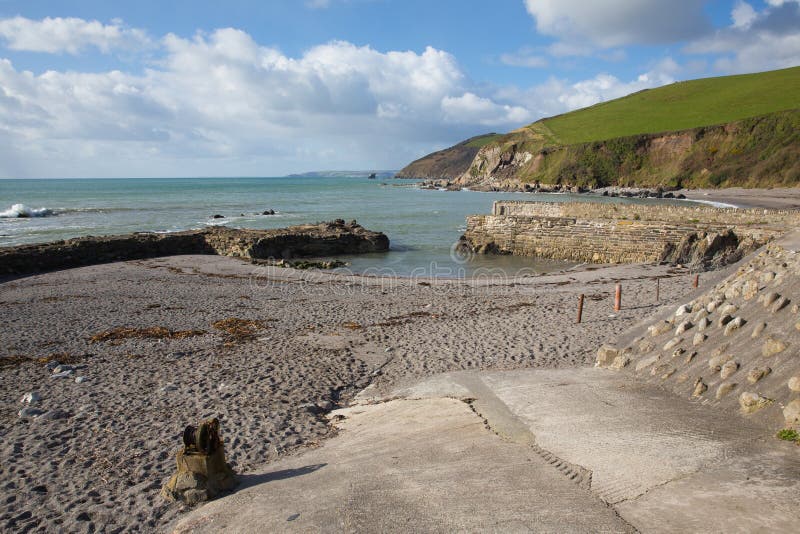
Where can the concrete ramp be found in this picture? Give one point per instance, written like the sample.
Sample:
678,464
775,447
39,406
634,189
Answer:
544,451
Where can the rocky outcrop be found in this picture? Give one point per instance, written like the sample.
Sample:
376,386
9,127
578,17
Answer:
313,240
745,360
447,164
608,233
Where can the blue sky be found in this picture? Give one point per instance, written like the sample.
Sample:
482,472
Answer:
185,88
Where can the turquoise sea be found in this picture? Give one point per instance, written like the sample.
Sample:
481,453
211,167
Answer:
422,225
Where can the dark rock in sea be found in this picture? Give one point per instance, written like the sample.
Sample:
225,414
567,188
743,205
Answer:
309,240
217,216
668,195
680,196
268,212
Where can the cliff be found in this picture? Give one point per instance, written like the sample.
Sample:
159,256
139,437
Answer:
313,240
717,132
447,164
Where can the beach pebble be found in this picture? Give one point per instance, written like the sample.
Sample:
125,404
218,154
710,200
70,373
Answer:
700,387
168,387
683,310
750,402
768,299
53,415
728,369
703,324
729,309
724,389
62,369
698,338
772,347
758,330
388,349
26,413
757,374
80,379
64,374
31,398
683,327
779,304
792,412
794,383
51,365
672,343
734,325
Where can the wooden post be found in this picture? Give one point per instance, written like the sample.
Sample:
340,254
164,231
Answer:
580,309
696,280
618,298
658,288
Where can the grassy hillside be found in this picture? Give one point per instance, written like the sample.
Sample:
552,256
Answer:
732,130
679,106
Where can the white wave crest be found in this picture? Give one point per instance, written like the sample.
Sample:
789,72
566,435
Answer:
21,210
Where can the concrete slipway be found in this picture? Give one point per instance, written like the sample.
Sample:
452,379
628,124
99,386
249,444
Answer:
577,450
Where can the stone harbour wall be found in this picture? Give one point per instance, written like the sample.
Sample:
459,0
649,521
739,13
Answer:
622,233
649,212
324,239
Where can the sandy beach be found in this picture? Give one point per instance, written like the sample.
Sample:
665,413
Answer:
302,343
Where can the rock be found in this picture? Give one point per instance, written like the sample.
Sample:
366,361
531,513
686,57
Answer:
660,328
65,374
757,374
779,304
80,379
54,415
646,362
792,412
728,369
750,290
268,212
620,362
713,305
716,362
672,343
734,325
62,369
683,327
768,299
794,383
217,216
168,387
728,309
677,352
699,315
772,347
724,389
31,398
683,310
698,338
646,346
661,370
690,357
51,365
759,328
752,402
725,319
605,356
767,277
703,324
29,413
700,387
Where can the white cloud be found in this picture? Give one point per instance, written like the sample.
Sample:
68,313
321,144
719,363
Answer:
743,15
612,23
474,109
70,35
757,40
221,99
524,57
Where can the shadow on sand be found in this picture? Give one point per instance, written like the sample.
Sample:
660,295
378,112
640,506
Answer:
247,481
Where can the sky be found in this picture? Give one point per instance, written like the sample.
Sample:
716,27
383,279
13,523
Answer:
92,88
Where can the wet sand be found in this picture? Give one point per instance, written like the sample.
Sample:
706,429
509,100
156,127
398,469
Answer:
315,340
778,198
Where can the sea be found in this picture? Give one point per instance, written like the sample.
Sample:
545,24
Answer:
423,226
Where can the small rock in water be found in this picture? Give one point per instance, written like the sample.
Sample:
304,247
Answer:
26,413
31,398
217,216
80,379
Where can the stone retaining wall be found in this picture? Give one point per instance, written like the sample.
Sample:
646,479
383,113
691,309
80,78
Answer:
617,233
325,239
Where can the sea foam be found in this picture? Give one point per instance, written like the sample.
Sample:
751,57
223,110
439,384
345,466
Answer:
21,210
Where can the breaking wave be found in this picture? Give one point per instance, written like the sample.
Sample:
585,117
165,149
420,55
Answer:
18,211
